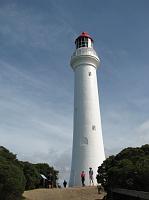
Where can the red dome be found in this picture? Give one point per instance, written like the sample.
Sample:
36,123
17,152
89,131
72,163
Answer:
84,34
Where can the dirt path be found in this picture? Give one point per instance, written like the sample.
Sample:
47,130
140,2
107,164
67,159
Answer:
86,193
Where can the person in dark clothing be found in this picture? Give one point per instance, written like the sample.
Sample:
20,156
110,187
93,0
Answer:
91,176
50,180
65,184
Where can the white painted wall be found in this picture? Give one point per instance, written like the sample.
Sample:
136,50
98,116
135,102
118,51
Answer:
88,150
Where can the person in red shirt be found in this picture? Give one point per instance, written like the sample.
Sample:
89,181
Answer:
83,178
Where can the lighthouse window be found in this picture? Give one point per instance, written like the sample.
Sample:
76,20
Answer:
82,42
84,141
94,128
89,73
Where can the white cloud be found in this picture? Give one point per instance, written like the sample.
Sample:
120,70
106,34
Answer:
142,132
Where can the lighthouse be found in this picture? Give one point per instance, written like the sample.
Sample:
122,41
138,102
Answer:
88,149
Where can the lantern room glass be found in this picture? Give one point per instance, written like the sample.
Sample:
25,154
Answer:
83,42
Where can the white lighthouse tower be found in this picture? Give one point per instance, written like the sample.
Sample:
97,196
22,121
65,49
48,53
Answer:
88,149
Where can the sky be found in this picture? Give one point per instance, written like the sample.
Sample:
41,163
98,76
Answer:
37,83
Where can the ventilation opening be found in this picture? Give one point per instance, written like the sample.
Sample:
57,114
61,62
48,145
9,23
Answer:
93,127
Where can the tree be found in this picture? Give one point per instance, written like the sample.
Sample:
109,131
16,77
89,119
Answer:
128,169
103,169
32,176
12,180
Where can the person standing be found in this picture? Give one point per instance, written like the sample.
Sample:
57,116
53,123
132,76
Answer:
83,178
91,176
65,183
50,180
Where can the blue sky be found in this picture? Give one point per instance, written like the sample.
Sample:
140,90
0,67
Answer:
36,81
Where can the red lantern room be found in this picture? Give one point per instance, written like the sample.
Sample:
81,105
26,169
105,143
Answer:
84,40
